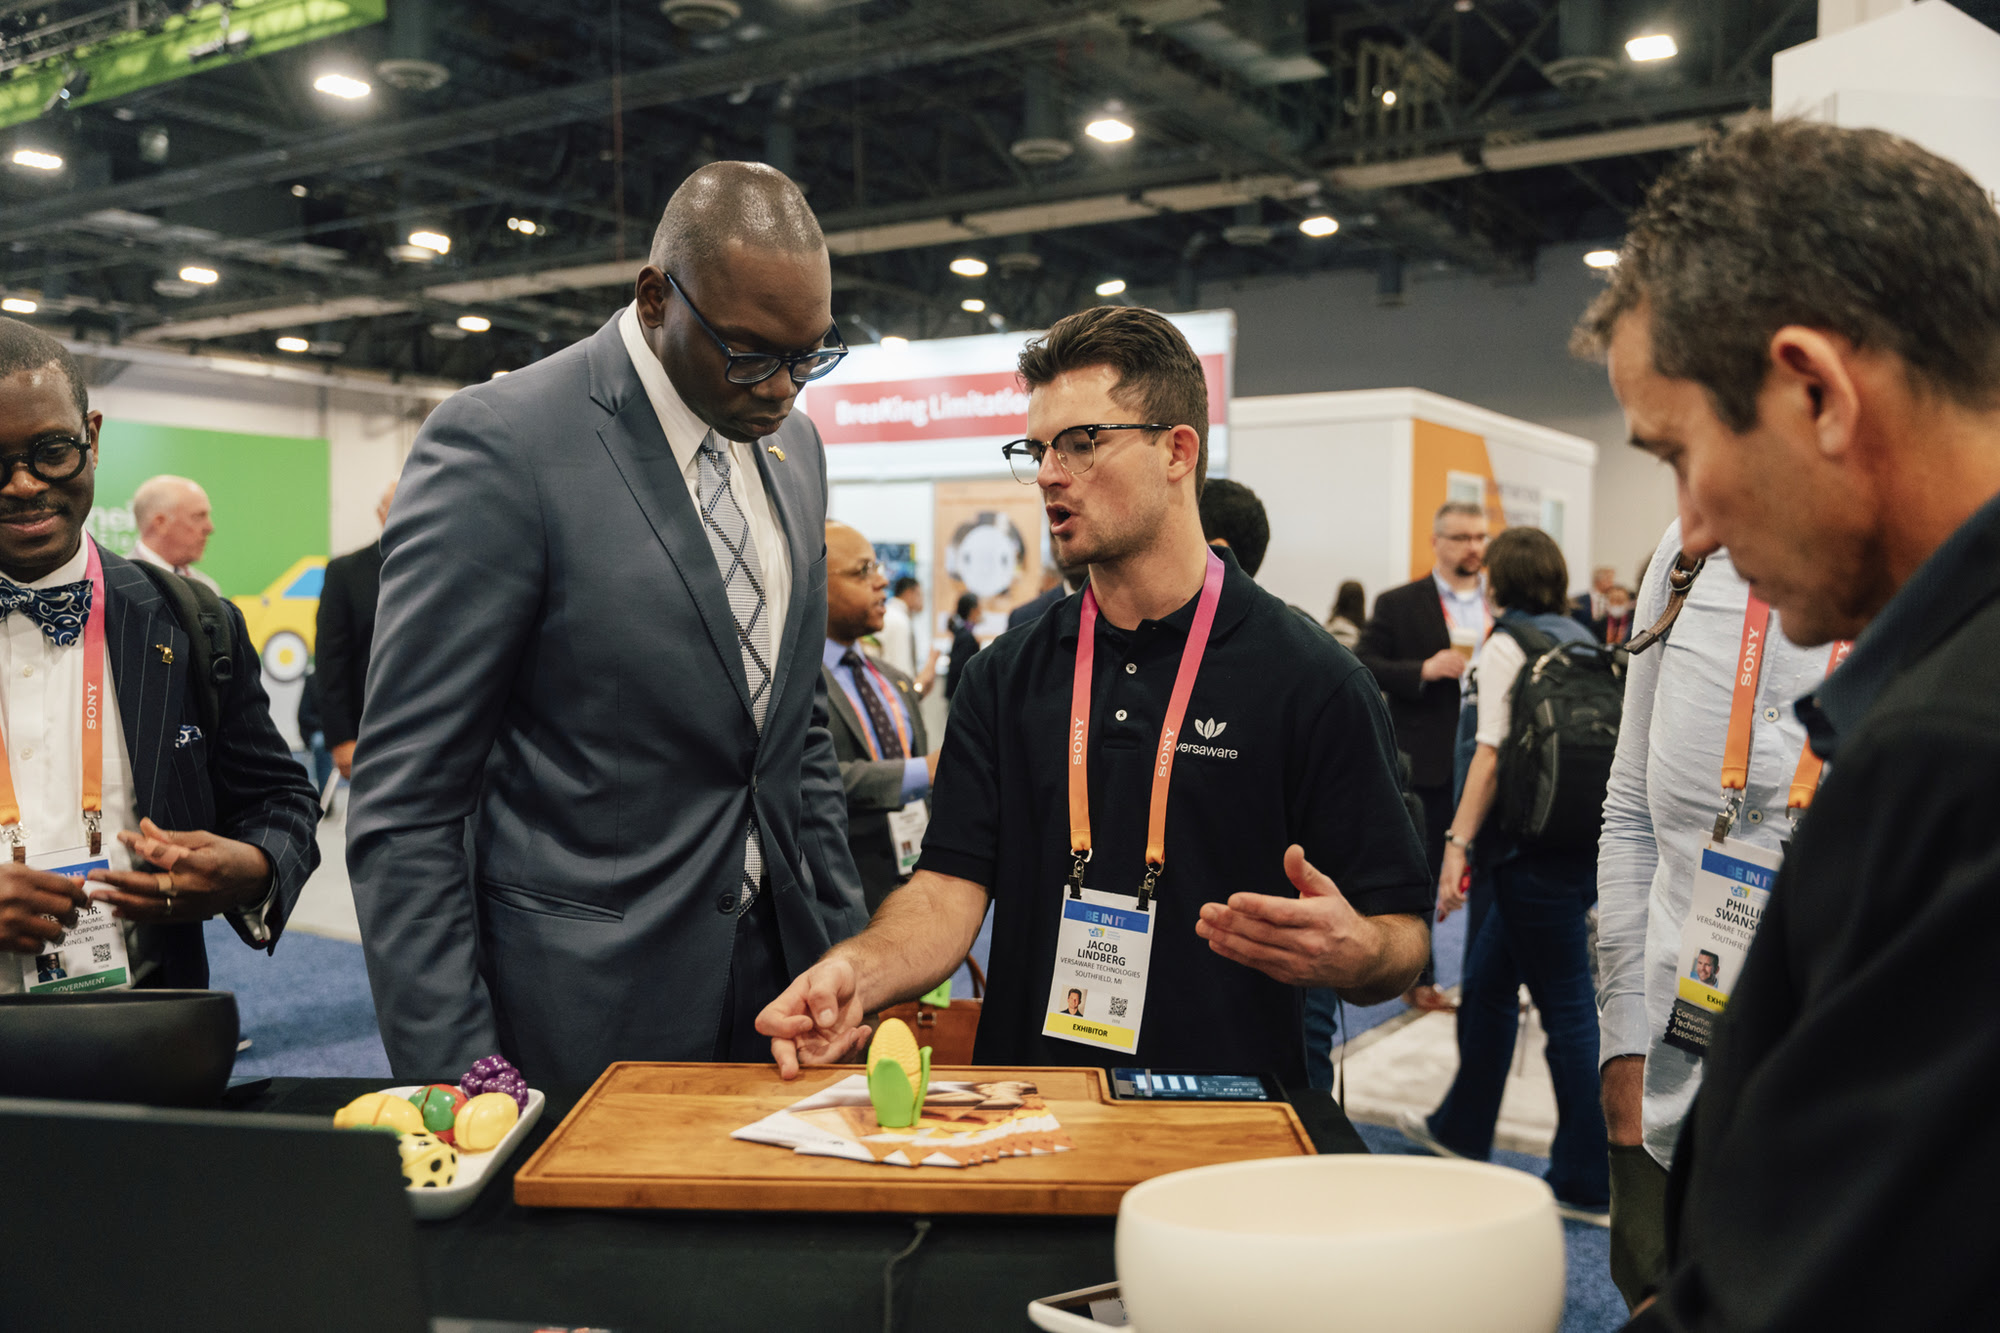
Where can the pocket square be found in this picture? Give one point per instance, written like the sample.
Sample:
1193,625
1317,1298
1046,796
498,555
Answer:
190,733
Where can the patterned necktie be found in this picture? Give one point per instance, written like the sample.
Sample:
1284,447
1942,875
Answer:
887,739
743,580
60,611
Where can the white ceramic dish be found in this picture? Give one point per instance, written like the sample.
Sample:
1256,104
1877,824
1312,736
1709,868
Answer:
474,1168
1342,1244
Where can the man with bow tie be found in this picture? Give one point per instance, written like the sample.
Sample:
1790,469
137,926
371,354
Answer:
105,767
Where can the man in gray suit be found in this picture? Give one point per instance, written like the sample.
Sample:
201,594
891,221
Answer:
878,730
596,810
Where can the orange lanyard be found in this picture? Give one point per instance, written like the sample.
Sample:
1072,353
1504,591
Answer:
93,729
1485,620
895,703
1749,669
1163,766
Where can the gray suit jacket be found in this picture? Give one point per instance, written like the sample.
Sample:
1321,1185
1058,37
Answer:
874,786
556,683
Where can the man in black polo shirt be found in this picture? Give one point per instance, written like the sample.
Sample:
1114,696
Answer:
1279,781
1805,323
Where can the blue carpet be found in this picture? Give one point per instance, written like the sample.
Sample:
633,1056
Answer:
305,1008
1591,1304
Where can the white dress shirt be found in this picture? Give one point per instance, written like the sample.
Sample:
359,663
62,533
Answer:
141,551
41,715
1660,808
898,638
685,431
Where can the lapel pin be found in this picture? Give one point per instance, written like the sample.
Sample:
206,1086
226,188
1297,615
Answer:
166,653
776,450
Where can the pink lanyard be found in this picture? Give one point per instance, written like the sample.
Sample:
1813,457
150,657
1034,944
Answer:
93,728
1163,767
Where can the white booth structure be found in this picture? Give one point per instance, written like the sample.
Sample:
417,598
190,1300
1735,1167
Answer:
1351,482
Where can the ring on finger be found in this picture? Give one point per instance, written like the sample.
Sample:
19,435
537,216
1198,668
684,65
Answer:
166,883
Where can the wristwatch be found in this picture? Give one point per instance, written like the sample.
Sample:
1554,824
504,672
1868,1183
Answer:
1464,844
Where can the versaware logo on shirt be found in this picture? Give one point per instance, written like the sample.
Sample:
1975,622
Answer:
1208,730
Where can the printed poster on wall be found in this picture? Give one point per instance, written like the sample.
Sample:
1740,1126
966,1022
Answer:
269,498
988,544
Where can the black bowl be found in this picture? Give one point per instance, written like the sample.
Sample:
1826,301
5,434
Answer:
154,1047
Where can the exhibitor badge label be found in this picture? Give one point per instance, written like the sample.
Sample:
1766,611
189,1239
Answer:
91,954
1732,883
907,827
1104,945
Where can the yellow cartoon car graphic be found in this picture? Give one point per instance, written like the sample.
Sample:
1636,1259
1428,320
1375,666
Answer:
283,617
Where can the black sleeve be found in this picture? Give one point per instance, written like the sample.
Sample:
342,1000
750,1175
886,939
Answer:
1346,805
964,647
1380,650
963,840
1844,1118
262,795
333,653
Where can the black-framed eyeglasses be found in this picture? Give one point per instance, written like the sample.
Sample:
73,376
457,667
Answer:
52,461
756,367
1076,449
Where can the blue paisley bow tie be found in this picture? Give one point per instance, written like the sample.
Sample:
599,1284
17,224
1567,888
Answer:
60,611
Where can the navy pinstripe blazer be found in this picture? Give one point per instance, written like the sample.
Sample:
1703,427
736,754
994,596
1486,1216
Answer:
243,784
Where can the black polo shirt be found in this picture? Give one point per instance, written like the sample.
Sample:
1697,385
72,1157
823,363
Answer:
1286,740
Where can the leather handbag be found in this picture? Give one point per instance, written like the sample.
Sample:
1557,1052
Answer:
947,1029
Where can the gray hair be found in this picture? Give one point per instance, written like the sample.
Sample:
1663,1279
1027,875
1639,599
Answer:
156,495
733,202
1455,509
1855,232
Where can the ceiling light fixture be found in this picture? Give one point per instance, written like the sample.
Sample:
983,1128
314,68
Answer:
894,342
1318,225
1602,259
1108,129
972,305
1388,97
522,225
19,305
300,192
40,161
967,266
293,344
435,242
195,273
341,86
474,323
1653,46
1111,287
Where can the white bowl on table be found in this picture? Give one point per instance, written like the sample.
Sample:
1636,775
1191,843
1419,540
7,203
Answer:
1342,1244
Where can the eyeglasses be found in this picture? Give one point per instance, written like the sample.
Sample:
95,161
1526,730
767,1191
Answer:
52,461
756,367
1076,449
864,572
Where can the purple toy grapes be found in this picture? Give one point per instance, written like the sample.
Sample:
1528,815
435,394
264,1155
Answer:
494,1074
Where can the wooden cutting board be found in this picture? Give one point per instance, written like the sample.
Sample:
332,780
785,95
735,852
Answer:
657,1136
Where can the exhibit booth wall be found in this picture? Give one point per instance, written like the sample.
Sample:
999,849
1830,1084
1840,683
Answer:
1351,482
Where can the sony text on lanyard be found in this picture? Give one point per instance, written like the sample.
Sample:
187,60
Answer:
1742,705
1163,765
93,730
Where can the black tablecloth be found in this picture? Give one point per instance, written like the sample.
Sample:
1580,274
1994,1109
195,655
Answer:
633,1270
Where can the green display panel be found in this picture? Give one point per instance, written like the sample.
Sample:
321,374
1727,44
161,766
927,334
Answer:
204,38
269,495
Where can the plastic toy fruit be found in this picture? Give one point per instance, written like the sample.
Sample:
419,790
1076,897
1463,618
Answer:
484,1120
493,1074
378,1110
428,1162
899,1073
438,1104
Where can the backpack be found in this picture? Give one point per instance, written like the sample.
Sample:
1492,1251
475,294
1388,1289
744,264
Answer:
1562,731
206,622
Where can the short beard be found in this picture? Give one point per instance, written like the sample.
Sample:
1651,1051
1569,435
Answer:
1469,567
